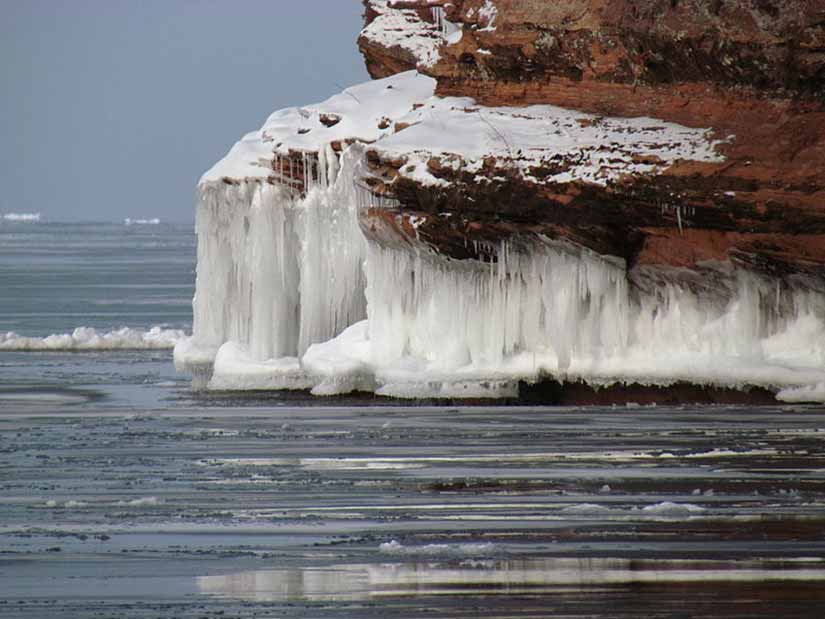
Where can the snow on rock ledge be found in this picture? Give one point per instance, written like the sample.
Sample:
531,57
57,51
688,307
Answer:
543,144
364,112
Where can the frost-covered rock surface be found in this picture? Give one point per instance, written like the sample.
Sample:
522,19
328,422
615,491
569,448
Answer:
393,240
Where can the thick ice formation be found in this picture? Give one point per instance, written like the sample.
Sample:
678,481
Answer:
277,272
291,295
444,328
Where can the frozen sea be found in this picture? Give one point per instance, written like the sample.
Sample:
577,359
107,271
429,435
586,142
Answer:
125,494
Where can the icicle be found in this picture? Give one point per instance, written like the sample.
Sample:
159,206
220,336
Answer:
277,272
280,276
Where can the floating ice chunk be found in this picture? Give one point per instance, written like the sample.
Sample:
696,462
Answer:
235,369
141,222
807,393
141,502
586,509
669,509
394,547
23,217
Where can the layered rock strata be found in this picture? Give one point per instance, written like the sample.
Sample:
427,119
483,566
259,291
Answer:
752,73
625,192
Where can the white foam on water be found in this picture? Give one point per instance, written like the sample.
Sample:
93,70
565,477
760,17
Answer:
88,339
141,222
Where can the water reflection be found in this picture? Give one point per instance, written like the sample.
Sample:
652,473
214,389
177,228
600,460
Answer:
487,577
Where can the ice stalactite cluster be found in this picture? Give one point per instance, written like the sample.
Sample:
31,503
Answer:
480,314
277,272
439,327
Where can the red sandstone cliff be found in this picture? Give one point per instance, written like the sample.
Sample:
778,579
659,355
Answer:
752,71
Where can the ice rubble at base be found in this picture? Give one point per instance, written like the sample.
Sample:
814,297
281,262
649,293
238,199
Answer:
291,295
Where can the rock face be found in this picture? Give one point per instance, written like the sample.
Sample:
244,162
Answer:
536,199
750,71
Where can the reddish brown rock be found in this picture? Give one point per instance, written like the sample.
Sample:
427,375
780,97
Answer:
751,70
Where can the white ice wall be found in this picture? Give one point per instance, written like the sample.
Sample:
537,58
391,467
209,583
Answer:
440,327
276,271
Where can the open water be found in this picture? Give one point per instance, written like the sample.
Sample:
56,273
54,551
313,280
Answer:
125,494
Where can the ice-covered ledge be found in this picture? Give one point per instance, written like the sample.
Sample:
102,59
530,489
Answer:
298,289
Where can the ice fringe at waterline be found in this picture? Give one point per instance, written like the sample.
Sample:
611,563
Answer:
446,328
443,328
277,272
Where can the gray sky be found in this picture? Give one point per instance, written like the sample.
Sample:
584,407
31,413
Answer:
114,108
